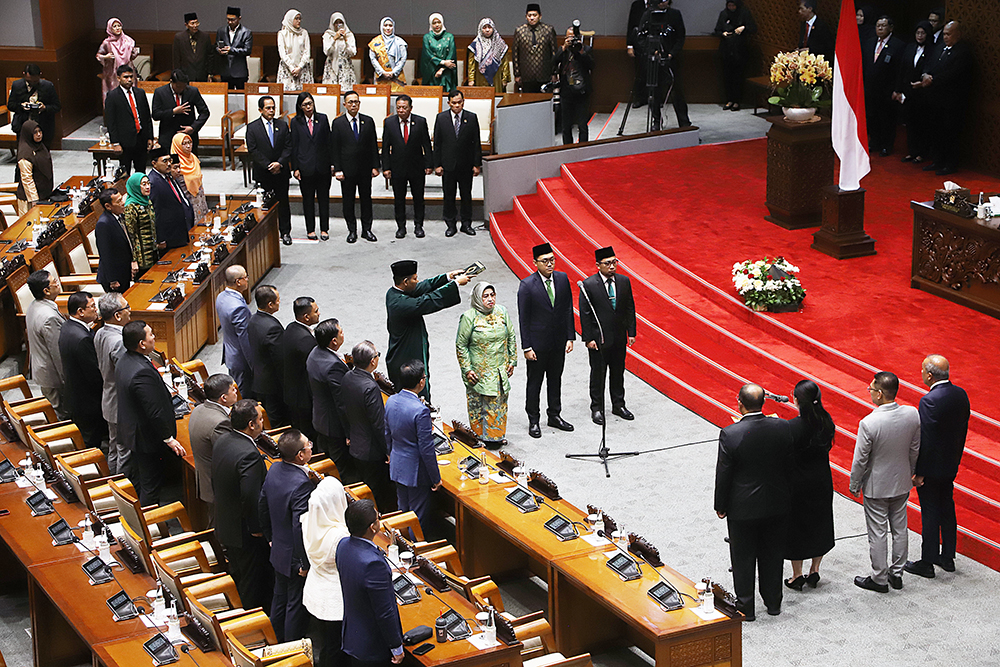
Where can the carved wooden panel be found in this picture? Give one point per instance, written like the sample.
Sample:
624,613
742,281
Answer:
723,647
951,257
693,653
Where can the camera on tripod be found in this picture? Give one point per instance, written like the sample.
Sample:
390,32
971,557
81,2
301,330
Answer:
656,35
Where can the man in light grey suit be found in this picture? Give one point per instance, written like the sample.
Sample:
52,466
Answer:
115,313
44,324
207,423
234,315
885,457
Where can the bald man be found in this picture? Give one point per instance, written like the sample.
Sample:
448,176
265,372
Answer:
948,78
944,422
234,317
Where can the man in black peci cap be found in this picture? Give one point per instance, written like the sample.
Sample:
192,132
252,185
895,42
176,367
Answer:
193,49
534,50
233,44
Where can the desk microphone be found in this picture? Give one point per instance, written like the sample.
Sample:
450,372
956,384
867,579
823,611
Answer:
579,283
775,397
601,533
539,499
615,544
430,591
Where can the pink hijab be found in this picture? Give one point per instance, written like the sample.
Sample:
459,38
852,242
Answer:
121,45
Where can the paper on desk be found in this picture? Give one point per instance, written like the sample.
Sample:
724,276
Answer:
193,267
148,621
482,643
995,203
50,494
162,305
594,540
500,479
23,482
707,614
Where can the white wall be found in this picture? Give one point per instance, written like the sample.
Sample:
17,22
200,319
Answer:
20,24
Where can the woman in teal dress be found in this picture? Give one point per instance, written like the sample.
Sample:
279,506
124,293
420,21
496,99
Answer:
438,66
487,355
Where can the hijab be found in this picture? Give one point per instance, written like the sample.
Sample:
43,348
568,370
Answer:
488,51
430,24
286,23
928,29
33,151
477,297
323,526
391,39
133,190
190,165
332,31
121,45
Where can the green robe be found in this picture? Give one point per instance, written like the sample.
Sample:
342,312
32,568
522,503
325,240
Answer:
405,320
438,48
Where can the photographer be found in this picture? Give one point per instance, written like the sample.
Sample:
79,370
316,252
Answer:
662,29
573,64
35,98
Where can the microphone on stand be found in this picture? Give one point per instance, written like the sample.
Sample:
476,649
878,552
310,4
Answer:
579,283
430,591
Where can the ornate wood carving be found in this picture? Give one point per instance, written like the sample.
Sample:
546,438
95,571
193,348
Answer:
951,257
799,165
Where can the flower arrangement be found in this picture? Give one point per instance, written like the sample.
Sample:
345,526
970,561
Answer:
800,79
768,284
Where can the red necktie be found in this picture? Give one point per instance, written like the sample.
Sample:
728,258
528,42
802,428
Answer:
174,188
406,131
808,30
881,45
310,122
178,99
135,114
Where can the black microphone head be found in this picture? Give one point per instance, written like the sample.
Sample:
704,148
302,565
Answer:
600,533
185,648
427,589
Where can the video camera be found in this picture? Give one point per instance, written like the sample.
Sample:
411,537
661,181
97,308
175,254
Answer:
656,35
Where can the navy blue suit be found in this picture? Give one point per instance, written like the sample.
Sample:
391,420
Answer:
325,370
409,435
263,153
115,250
311,158
545,330
283,500
371,619
234,316
174,215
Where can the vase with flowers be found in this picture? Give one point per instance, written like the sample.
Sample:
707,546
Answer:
800,82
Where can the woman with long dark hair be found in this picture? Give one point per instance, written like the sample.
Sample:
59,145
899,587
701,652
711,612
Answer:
810,521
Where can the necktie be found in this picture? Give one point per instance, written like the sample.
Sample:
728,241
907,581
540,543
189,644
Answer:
270,133
808,30
174,188
406,132
611,293
881,45
458,123
135,114
534,36
178,99
354,123
551,290
309,121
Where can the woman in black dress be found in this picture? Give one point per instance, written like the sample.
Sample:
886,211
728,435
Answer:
734,28
810,522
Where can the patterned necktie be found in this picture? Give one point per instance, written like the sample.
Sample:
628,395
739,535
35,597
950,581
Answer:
355,124
881,45
458,123
551,290
611,294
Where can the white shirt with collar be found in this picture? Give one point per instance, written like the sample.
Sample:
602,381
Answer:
937,383
225,408
752,414
81,323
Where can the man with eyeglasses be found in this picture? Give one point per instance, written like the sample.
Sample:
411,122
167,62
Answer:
885,458
545,314
607,323
115,313
84,383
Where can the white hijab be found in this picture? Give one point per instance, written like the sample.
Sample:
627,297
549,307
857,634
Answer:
336,16
286,23
430,23
323,526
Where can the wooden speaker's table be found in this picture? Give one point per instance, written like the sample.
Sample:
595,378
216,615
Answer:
799,165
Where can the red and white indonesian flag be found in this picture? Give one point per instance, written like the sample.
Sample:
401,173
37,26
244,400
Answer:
850,136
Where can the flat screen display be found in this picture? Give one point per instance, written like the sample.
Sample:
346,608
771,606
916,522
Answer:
562,528
666,596
624,566
522,500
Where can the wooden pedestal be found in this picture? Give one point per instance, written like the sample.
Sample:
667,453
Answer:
843,232
799,165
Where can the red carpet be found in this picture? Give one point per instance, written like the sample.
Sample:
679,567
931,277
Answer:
680,219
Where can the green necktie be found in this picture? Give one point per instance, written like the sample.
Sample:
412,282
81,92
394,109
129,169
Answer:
611,293
550,290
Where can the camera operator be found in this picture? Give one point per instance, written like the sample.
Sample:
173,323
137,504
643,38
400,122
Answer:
671,44
573,64
35,98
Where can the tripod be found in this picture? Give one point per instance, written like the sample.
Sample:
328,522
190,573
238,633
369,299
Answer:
654,61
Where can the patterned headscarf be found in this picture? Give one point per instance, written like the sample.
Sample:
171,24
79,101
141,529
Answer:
121,45
488,51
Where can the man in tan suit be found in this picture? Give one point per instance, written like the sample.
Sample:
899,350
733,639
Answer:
208,421
44,324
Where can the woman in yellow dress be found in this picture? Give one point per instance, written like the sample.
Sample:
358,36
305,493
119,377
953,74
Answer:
388,55
488,60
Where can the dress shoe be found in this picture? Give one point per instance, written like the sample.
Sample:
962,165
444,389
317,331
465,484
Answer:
946,564
813,579
467,229
418,231
869,584
729,105
560,423
323,236
623,413
534,431
896,582
638,104
884,152
919,568
312,236
400,233
774,612
946,171
286,239
906,158
736,107
597,417
451,231
932,167
352,237
368,236
797,583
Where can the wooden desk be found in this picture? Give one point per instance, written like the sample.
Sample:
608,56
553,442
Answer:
799,165
26,535
129,653
594,608
102,153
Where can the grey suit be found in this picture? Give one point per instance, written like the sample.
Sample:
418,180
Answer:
44,323
110,348
208,421
885,457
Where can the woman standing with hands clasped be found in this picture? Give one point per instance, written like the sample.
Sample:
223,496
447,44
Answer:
734,27
295,53
437,60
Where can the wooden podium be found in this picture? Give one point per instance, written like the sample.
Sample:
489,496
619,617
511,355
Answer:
842,235
799,165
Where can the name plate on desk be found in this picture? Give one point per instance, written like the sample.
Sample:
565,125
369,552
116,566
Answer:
522,500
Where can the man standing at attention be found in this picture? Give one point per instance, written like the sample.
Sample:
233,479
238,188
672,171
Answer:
534,51
270,146
234,315
944,423
545,311
233,44
458,157
298,342
84,383
44,322
192,49
407,159
354,154
885,456
180,108
115,313
267,354
127,117
209,421
752,493
172,211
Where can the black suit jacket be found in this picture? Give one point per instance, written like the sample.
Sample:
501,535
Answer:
545,327
326,372
406,158
310,152
457,153
47,95
909,71
145,410
821,40
197,62
635,12
237,478
881,75
297,343
952,72
362,405
265,333
355,157
751,476
115,251
234,64
944,423
120,122
84,384
263,153
283,500
174,217
617,323
164,102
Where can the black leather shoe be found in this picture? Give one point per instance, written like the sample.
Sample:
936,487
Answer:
451,231
813,580
919,568
352,237
946,171
896,582
560,423
286,239
400,233
598,417
534,431
932,167
869,584
467,229
418,231
623,413
368,236
946,564
774,612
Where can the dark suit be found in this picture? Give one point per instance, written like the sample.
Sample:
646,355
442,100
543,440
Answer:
881,76
364,412
407,160
545,330
264,153
944,424
820,40
915,107
237,478
311,158
84,384
115,250
949,99
174,214
752,490
326,369
457,155
164,101
145,421
356,158
265,333
617,325
47,95
409,434
297,342
283,500
371,619
233,65
195,62
120,121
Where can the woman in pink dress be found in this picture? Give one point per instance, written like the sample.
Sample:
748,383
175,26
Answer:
117,50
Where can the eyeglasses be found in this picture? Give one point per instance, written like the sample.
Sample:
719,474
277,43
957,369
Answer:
123,308
609,262
548,262
874,389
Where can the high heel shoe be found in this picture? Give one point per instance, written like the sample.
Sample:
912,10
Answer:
813,579
796,583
